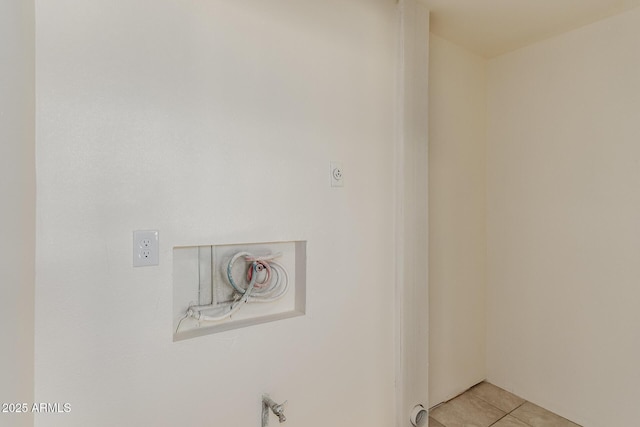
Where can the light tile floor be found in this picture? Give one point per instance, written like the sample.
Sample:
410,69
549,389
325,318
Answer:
486,405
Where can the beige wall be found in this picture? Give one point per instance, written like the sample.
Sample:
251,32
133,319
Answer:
412,281
17,206
456,219
563,220
214,122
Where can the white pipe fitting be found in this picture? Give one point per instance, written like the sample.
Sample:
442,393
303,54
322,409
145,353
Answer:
419,416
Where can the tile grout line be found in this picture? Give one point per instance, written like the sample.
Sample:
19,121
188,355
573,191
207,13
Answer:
498,420
500,409
505,413
522,421
510,413
560,416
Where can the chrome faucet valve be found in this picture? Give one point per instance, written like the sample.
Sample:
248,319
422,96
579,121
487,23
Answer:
277,409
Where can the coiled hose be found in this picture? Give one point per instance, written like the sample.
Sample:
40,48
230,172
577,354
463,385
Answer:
267,281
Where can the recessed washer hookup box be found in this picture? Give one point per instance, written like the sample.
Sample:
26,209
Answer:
222,287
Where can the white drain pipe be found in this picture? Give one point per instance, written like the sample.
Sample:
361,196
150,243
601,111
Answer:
419,416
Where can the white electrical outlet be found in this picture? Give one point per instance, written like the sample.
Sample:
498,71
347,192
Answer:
337,174
145,248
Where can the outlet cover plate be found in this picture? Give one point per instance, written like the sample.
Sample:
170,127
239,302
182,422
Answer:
337,174
146,248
